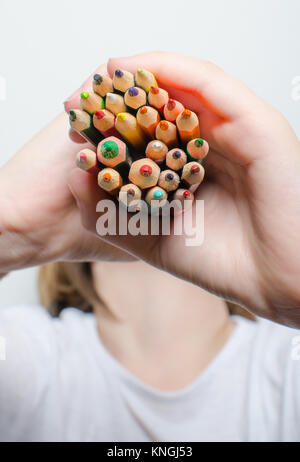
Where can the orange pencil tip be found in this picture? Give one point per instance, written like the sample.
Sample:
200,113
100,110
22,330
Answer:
154,90
107,176
186,113
164,125
143,110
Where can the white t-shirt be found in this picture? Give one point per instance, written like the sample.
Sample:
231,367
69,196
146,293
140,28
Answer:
59,383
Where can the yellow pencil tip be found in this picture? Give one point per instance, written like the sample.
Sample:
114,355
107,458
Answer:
140,70
121,116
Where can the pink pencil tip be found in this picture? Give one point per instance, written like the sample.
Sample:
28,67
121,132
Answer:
82,157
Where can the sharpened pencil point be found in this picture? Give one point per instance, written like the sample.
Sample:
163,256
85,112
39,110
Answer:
143,110
154,90
130,192
99,114
199,142
171,104
186,113
169,176
84,95
121,116
157,194
146,170
72,116
140,70
82,157
119,73
186,194
164,125
133,91
195,169
98,79
176,155
107,177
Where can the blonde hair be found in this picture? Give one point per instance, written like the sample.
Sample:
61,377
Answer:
64,284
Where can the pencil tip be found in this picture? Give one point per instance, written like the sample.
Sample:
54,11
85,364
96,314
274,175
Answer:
121,116
199,142
82,157
72,115
99,114
171,104
158,194
98,78
195,169
146,170
186,113
186,194
119,73
84,95
154,90
140,70
143,110
107,176
133,91
164,125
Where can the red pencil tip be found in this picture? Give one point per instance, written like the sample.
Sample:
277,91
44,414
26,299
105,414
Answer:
154,90
171,104
195,169
146,170
186,194
99,114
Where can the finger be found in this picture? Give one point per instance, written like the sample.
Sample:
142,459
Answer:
73,102
217,90
76,137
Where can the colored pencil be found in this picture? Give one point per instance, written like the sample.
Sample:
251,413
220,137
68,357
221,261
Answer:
158,98
169,180
188,126
115,103
127,126
192,175
91,102
176,159
183,196
158,195
122,80
110,180
82,123
148,118
197,149
104,121
129,193
86,160
145,79
157,151
144,173
102,84
172,110
112,152
135,98
167,132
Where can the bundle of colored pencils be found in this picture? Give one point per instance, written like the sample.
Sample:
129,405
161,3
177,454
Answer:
148,145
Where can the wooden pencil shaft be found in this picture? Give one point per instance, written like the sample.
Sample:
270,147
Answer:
176,159
82,123
148,118
156,197
115,103
112,152
169,180
110,180
86,160
91,102
122,80
102,84
145,79
129,193
192,173
157,151
144,173
172,110
167,132
127,126
197,149
134,98
188,126
158,98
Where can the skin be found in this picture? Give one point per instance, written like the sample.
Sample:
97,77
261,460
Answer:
251,195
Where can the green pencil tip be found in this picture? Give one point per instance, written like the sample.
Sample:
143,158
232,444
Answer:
84,95
109,149
199,142
72,115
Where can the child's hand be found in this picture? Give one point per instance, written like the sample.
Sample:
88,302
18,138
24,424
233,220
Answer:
252,192
39,219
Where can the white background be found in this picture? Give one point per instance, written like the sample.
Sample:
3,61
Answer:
49,47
